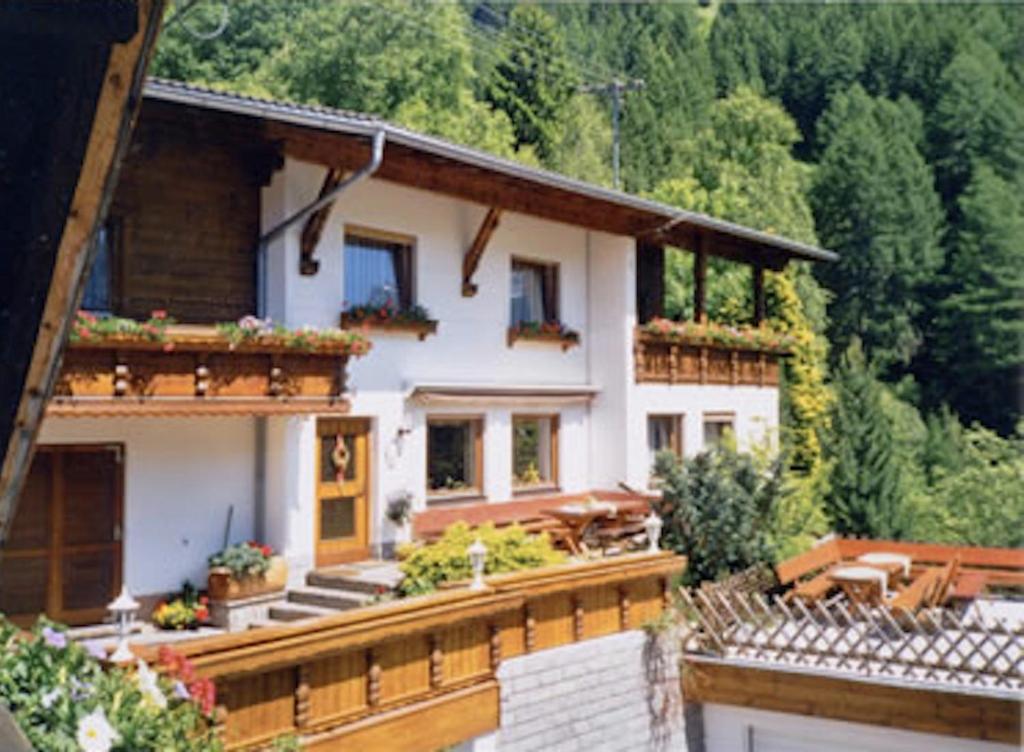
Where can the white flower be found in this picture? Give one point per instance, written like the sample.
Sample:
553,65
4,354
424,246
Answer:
147,680
95,734
49,698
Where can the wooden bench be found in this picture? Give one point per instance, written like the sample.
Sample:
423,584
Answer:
815,562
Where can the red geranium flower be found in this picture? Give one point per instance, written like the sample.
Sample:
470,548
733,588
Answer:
159,313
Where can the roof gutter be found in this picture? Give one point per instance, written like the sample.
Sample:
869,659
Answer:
376,157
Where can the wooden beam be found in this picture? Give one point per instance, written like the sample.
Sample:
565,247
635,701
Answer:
945,711
650,281
314,226
476,251
700,282
109,131
760,309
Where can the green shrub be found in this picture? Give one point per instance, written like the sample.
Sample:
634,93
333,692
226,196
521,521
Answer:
716,508
509,549
57,690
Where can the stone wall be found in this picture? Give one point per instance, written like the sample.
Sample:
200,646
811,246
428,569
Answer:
619,692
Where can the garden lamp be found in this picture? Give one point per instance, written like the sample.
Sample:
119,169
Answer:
652,526
123,610
477,558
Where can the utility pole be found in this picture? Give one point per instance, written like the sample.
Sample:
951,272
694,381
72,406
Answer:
615,90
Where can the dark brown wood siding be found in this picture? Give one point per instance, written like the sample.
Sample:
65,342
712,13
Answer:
187,207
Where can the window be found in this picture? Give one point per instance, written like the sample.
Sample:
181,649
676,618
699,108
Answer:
99,287
664,434
454,456
378,270
715,427
534,451
534,292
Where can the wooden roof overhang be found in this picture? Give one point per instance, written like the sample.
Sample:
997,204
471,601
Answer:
194,372
338,139
72,77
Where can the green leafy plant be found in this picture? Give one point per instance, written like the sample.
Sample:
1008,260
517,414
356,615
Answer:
88,327
399,509
509,549
64,700
716,509
249,559
253,330
710,333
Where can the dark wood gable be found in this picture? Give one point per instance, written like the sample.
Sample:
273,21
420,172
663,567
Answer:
186,214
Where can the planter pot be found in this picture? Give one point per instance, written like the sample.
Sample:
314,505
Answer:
223,586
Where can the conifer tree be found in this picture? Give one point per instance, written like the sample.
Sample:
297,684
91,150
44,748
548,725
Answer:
874,204
532,81
865,490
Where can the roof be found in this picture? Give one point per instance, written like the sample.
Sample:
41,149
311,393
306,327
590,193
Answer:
663,217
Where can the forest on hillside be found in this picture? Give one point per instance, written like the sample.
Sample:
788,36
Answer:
890,133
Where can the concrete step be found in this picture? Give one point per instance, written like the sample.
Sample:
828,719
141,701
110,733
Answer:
366,577
330,598
289,612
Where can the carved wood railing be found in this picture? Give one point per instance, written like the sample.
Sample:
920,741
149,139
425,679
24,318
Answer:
665,360
417,674
194,369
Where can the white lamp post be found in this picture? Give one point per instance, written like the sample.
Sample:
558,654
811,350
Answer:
123,609
477,559
652,526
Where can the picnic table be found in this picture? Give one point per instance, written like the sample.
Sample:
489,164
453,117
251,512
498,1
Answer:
578,519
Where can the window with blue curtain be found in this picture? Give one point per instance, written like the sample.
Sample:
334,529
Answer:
98,295
377,272
534,293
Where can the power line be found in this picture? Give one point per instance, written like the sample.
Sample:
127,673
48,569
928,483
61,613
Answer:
615,89
583,66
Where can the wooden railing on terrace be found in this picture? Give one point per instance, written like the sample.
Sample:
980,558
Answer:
194,370
663,360
417,674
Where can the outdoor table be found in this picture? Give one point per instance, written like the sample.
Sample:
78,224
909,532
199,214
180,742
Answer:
863,584
886,559
577,519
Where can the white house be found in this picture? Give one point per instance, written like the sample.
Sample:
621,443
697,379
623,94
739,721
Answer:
148,470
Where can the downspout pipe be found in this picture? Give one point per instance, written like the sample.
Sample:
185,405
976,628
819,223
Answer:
376,157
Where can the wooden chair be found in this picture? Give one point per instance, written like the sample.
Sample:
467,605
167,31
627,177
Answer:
944,587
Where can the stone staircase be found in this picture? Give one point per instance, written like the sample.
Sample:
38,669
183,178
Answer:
334,589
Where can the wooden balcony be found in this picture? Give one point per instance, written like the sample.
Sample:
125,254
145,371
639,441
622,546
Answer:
192,370
417,674
662,359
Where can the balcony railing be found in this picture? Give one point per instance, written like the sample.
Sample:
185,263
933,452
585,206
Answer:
698,354
417,674
203,369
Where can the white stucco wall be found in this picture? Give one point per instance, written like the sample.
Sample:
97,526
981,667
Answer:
181,477
601,445
729,728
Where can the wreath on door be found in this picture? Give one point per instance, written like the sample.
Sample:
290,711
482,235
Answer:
340,456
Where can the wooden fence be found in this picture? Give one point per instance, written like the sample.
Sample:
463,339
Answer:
417,674
934,645
665,361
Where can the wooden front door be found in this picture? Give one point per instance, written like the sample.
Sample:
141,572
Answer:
342,490
63,557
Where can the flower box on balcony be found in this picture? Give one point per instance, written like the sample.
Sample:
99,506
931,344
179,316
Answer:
157,363
549,332
701,353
